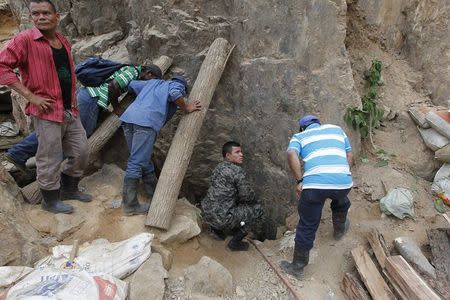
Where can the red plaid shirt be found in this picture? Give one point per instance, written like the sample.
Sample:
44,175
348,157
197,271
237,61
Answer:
30,52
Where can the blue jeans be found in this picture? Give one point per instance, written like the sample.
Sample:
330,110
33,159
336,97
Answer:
310,211
89,112
140,141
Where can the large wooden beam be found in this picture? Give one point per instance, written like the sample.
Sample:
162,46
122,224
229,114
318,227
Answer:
412,286
99,138
373,280
179,155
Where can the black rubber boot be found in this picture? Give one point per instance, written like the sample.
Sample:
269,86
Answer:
70,191
341,224
51,202
149,181
236,243
300,260
130,202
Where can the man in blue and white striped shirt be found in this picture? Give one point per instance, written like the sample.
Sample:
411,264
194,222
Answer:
326,156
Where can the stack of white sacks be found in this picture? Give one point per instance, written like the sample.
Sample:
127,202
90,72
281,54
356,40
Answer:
94,274
434,127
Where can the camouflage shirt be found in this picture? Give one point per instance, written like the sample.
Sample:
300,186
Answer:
228,188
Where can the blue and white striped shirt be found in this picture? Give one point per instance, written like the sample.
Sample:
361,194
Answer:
323,149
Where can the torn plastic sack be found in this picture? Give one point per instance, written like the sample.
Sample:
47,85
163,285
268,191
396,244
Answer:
398,202
118,259
441,188
67,284
433,139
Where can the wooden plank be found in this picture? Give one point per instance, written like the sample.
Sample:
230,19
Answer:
376,241
352,288
373,280
397,290
182,147
440,248
412,286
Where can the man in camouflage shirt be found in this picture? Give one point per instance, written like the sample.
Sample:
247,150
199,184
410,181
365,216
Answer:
231,204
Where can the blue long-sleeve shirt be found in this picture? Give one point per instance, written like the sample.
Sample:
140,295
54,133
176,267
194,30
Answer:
154,104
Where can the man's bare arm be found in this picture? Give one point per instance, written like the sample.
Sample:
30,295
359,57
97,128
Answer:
42,103
294,164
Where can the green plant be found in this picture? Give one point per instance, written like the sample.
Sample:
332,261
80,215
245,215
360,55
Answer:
383,158
369,116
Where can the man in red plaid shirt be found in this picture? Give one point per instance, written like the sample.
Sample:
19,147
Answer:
47,81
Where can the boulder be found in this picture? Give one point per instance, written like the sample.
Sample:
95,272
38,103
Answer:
208,278
166,254
57,225
181,230
96,45
148,280
19,241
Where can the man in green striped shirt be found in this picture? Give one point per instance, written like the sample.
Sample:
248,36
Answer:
91,98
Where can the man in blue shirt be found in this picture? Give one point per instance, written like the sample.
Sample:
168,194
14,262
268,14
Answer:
156,103
326,155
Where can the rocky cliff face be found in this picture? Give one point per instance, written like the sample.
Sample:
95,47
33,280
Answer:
290,59
419,31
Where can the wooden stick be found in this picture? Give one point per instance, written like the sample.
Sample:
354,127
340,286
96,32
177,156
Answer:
277,271
74,251
180,152
378,245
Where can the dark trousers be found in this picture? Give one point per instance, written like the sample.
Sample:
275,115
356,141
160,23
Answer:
310,211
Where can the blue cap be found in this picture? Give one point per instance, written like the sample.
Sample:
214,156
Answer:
307,120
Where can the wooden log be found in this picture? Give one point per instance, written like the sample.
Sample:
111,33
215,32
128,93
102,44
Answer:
412,286
18,112
440,248
98,139
373,280
352,288
176,163
110,125
378,245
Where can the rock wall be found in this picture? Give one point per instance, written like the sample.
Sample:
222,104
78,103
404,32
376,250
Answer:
20,243
418,30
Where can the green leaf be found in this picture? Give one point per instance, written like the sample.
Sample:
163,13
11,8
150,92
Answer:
381,163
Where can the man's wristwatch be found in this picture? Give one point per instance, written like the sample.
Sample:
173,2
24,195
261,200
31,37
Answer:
299,180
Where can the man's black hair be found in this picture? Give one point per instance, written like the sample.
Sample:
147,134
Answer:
228,146
43,1
153,69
